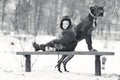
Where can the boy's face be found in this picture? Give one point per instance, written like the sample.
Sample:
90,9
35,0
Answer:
65,24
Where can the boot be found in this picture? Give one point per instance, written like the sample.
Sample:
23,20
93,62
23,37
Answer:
42,47
39,47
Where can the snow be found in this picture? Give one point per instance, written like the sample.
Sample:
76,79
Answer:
81,67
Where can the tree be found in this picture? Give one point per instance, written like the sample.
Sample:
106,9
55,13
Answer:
43,16
3,12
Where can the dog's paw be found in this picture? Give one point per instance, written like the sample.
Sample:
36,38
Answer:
93,50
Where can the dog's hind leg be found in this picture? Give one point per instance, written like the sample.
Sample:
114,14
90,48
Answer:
65,69
59,62
59,69
66,61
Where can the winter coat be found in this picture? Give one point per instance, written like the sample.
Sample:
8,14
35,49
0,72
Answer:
68,40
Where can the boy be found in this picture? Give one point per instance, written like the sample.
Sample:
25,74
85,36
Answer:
66,42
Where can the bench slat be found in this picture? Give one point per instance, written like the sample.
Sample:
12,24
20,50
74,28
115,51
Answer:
66,53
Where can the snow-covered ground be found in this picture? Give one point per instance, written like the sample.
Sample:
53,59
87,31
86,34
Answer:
81,67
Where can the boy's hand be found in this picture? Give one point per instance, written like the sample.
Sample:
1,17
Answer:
59,46
49,49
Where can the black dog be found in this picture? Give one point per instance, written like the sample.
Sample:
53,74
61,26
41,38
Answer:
85,28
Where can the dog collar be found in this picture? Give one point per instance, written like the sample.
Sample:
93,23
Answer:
92,14
94,20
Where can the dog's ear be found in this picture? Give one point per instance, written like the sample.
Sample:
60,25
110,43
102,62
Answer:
102,7
92,8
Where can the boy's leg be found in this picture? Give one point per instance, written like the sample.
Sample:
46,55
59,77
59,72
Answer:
50,44
42,46
68,58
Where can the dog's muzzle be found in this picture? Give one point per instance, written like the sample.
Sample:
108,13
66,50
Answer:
101,14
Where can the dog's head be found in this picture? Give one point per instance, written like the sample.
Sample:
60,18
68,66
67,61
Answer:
97,11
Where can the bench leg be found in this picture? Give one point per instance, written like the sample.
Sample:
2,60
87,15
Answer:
28,63
97,65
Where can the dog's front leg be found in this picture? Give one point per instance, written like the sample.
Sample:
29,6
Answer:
89,42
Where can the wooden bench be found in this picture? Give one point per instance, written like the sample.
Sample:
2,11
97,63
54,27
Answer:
94,53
